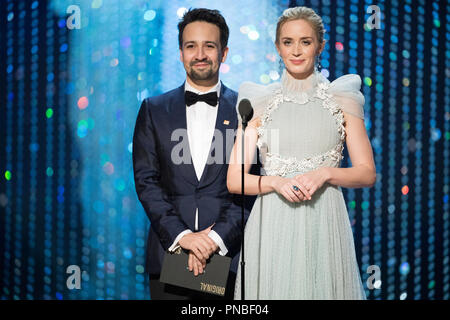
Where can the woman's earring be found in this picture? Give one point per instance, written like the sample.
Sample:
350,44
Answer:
280,66
318,66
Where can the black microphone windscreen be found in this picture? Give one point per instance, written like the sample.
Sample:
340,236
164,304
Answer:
245,110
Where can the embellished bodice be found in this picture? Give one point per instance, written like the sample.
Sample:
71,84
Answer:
302,123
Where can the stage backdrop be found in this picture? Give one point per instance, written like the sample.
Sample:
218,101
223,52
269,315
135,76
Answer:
74,73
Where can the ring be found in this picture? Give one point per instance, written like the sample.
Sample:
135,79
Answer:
295,188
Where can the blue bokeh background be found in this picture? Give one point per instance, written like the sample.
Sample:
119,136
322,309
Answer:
70,98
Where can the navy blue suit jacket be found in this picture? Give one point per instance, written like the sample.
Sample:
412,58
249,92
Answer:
169,192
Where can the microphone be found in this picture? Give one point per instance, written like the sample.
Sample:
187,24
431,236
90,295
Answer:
246,111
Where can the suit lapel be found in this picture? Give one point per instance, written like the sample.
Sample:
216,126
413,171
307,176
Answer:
217,152
178,120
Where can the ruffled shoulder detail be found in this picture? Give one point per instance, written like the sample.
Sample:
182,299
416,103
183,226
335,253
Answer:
258,95
345,91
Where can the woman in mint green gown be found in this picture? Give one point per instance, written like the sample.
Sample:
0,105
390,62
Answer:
298,238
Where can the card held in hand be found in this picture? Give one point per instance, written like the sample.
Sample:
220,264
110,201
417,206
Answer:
214,279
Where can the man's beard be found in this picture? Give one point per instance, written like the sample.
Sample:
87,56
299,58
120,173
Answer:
205,74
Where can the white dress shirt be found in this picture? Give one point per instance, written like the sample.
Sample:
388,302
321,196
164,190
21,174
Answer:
201,123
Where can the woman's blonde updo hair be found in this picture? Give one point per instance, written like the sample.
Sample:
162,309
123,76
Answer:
304,13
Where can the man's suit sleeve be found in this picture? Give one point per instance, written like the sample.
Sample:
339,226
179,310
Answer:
163,216
228,225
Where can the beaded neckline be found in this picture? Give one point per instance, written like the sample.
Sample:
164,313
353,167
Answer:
275,164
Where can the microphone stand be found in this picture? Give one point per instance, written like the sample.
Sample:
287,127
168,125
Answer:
244,126
246,112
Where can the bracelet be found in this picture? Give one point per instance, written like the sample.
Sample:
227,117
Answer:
259,184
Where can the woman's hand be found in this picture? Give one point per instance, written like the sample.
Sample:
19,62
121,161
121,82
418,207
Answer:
312,181
291,190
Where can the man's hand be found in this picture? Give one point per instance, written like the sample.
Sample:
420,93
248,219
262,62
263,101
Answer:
195,265
199,244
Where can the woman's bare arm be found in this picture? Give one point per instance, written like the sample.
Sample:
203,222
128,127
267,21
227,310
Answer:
253,184
362,173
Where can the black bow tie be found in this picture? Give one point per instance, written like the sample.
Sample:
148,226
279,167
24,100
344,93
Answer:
191,98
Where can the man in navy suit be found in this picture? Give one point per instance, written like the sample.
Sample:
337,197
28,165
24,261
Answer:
180,147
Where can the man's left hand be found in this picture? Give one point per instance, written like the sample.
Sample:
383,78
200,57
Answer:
194,262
